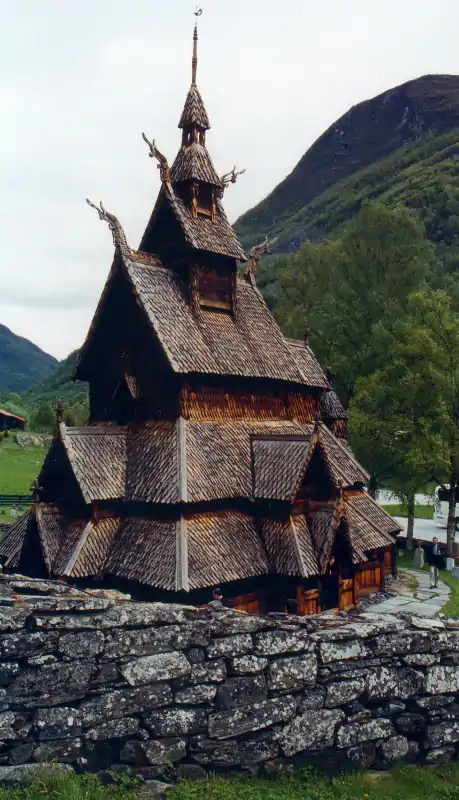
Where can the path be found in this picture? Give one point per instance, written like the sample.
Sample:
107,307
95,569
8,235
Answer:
424,601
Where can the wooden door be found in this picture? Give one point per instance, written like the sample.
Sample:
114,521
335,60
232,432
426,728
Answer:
371,577
346,593
388,561
308,601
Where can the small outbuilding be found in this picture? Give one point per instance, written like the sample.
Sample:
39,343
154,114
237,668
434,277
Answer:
10,422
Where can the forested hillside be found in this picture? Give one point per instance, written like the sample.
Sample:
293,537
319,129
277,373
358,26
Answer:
21,362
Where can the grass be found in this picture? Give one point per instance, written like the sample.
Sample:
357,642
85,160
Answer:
400,510
451,608
403,783
57,785
407,783
19,466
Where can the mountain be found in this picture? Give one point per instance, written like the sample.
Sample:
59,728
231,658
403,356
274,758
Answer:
399,147
21,362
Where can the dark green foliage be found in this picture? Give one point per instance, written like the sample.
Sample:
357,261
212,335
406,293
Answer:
21,362
344,289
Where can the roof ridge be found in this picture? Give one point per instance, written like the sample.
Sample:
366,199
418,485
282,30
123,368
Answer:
78,547
297,548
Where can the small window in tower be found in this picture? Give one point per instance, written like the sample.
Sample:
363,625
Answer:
214,289
205,200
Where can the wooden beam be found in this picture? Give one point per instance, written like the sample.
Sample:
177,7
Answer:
183,477
181,562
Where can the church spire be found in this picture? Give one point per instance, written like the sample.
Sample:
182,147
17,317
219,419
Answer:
194,112
194,60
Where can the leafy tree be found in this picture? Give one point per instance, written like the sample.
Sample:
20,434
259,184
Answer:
44,419
438,345
76,414
398,417
343,289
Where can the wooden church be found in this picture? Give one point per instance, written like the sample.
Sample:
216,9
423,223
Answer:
216,452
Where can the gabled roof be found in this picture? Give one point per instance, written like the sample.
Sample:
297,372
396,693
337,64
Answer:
290,547
248,343
193,162
98,458
279,465
194,111
200,233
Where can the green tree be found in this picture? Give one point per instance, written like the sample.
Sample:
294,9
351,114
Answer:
44,419
343,289
398,416
438,345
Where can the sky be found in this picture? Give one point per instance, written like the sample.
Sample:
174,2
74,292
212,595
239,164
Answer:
81,79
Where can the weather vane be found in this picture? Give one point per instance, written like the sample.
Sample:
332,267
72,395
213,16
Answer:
198,12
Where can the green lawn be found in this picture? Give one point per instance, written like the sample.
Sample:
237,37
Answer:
405,783
400,510
408,783
19,467
451,609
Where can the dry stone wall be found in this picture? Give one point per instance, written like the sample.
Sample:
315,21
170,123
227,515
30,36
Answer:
168,690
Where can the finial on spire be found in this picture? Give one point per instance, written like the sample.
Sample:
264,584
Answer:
194,61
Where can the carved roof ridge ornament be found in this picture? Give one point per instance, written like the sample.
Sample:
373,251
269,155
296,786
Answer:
227,178
163,164
255,255
119,237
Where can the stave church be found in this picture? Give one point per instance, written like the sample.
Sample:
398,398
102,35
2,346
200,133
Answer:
216,451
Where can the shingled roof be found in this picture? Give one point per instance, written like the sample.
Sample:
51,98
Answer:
194,112
193,162
247,344
306,362
331,407
279,466
200,233
221,460
221,545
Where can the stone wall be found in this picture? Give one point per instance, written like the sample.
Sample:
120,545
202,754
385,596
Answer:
170,690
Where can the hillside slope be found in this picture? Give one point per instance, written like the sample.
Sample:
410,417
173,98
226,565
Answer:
360,157
58,384
22,363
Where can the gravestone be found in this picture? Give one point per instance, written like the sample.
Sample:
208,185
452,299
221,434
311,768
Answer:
418,558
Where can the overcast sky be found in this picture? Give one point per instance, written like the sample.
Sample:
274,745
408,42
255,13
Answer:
80,80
